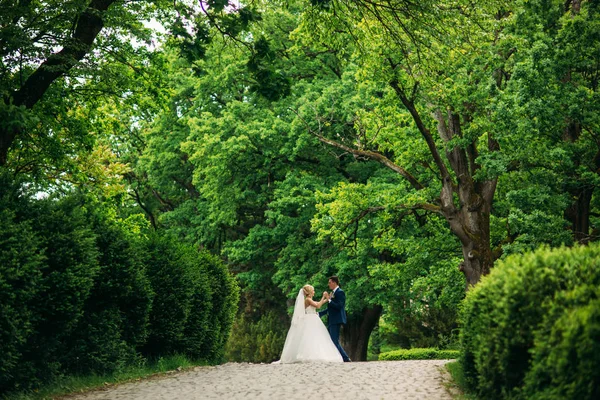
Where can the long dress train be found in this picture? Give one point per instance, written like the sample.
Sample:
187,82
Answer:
308,340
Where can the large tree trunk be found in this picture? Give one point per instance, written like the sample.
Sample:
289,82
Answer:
469,220
7,136
578,214
472,226
478,257
356,333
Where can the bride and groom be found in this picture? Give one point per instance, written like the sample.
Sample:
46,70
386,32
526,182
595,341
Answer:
308,340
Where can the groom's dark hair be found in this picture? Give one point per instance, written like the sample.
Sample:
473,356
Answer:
335,279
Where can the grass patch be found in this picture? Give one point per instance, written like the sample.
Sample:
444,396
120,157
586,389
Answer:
419,354
458,386
79,384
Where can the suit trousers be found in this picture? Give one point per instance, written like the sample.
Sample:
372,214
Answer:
334,332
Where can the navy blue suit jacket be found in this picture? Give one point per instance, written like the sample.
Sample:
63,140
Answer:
336,311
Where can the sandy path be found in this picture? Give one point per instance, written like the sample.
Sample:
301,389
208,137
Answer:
352,381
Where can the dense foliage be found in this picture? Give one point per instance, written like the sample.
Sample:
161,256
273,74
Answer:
82,291
566,348
529,329
260,341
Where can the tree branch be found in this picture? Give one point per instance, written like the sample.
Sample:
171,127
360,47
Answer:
376,157
367,154
422,128
189,186
448,187
138,199
408,209
89,25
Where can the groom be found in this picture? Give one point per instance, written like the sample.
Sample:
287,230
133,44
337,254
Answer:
336,313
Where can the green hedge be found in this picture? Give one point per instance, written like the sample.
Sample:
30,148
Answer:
115,315
71,267
529,311
225,300
20,278
419,354
566,353
169,270
195,301
80,293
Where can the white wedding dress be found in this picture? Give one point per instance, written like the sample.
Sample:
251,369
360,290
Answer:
308,339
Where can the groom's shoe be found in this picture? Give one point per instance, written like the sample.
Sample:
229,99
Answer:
348,360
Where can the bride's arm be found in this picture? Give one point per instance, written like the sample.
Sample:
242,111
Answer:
313,303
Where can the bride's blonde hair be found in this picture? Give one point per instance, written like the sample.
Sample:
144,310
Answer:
307,290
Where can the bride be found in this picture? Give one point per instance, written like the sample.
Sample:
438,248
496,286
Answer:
308,339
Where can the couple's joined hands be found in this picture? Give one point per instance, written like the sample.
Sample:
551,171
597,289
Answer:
326,296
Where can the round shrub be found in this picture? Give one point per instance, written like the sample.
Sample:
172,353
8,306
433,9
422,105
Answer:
502,313
566,354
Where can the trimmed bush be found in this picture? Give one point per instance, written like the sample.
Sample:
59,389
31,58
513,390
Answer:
195,301
77,292
168,268
203,332
67,277
116,314
21,262
419,354
566,353
501,315
225,298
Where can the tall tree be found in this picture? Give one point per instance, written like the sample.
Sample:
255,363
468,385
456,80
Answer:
556,75
431,55
224,120
473,78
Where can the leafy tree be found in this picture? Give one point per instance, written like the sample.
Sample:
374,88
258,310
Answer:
26,39
553,100
430,59
381,142
463,110
36,76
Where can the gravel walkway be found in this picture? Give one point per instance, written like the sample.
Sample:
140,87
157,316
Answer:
352,381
